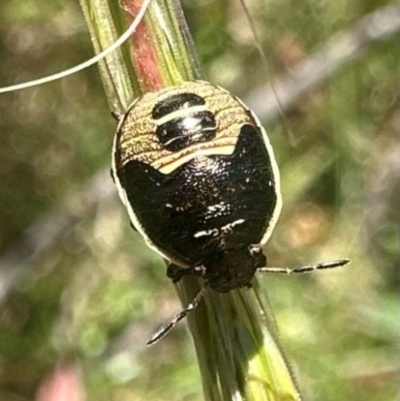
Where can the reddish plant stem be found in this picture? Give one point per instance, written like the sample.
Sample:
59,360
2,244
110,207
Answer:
143,52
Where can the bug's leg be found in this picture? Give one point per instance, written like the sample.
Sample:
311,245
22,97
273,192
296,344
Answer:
132,226
304,269
117,116
112,175
175,273
164,330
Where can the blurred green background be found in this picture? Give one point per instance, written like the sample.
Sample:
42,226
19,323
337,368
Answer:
96,293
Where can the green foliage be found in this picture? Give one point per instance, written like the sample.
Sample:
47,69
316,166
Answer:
99,292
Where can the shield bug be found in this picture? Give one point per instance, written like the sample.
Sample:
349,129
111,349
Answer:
198,176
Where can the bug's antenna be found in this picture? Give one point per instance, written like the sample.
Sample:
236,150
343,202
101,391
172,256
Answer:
164,330
305,269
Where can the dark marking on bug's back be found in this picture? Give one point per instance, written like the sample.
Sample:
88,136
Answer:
176,102
183,131
232,196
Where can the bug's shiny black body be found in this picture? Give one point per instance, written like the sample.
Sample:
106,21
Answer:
209,195
198,176
209,210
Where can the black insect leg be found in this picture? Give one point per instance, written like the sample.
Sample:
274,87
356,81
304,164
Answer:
175,273
164,330
117,116
112,175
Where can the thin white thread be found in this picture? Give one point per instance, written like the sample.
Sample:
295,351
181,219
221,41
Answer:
87,63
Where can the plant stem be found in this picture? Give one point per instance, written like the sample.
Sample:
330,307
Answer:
234,334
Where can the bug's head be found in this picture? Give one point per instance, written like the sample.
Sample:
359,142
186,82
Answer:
233,268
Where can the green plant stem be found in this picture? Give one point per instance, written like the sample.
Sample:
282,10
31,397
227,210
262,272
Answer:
234,334
120,86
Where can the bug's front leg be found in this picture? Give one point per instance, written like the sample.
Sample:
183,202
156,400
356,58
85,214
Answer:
175,273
